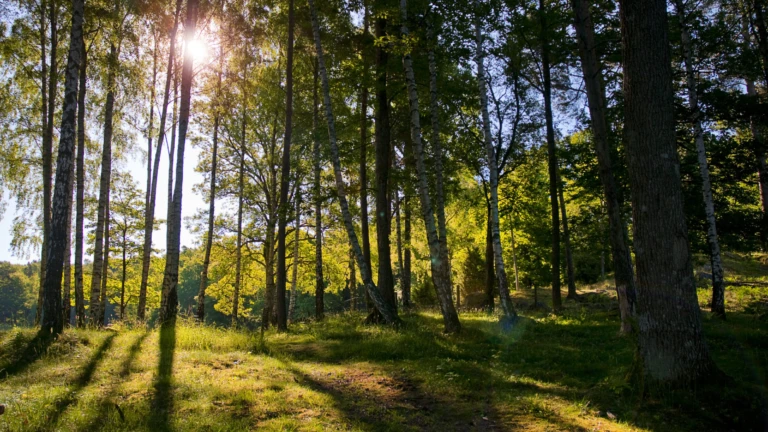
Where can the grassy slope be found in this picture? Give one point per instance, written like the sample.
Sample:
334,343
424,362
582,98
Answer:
549,373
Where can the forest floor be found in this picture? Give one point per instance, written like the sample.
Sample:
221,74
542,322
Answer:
549,373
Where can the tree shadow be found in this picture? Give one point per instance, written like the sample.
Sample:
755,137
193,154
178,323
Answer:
33,351
162,402
99,421
81,382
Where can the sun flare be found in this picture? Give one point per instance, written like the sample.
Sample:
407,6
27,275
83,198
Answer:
198,49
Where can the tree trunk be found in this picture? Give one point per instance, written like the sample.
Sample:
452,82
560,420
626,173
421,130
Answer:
514,258
567,238
268,315
48,143
51,320
102,314
760,146
407,253
718,285
383,163
149,213
211,212
80,199
317,195
388,312
171,158
239,252
508,309
762,35
490,272
399,233
285,178
104,186
295,269
439,262
593,79
551,159
437,149
122,278
671,346
169,299
364,229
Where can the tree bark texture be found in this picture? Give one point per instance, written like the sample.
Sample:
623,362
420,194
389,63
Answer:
80,193
317,196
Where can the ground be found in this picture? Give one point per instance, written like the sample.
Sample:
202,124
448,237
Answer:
549,373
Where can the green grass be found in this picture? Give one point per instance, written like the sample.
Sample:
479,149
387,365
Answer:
549,373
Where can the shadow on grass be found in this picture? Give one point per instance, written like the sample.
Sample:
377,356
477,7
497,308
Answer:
81,382
33,351
100,420
162,402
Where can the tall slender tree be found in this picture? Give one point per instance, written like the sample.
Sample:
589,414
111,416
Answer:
52,322
80,193
318,199
169,296
388,312
439,262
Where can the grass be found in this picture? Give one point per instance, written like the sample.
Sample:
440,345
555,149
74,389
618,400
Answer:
549,373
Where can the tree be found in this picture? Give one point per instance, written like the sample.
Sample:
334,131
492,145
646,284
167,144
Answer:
438,257
169,299
388,312
718,283
317,196
594,83
671,347
52,322
80,193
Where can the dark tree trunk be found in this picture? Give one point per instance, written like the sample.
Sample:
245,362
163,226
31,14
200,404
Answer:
514,258
399,234
593,79
364,143
122,277
567,238
52,322
490,272
104,187
149,212
285,178
383,163
169,298
388,312
239,246
102,318
211,211
551,159
438,261
671,346
80,198
407,253
317,195
171,158
295,269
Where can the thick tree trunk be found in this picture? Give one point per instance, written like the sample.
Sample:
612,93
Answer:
383,163
407,253
102,314
268,315
718,284
104,187
66,301
51,320
364,143
439,262
388,312
567,238
295,269
317,196
551,159
508,309
285,178
171,158
671,346
149,212
593,79
80,198
169,298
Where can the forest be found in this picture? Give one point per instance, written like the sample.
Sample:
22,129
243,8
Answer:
384,215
